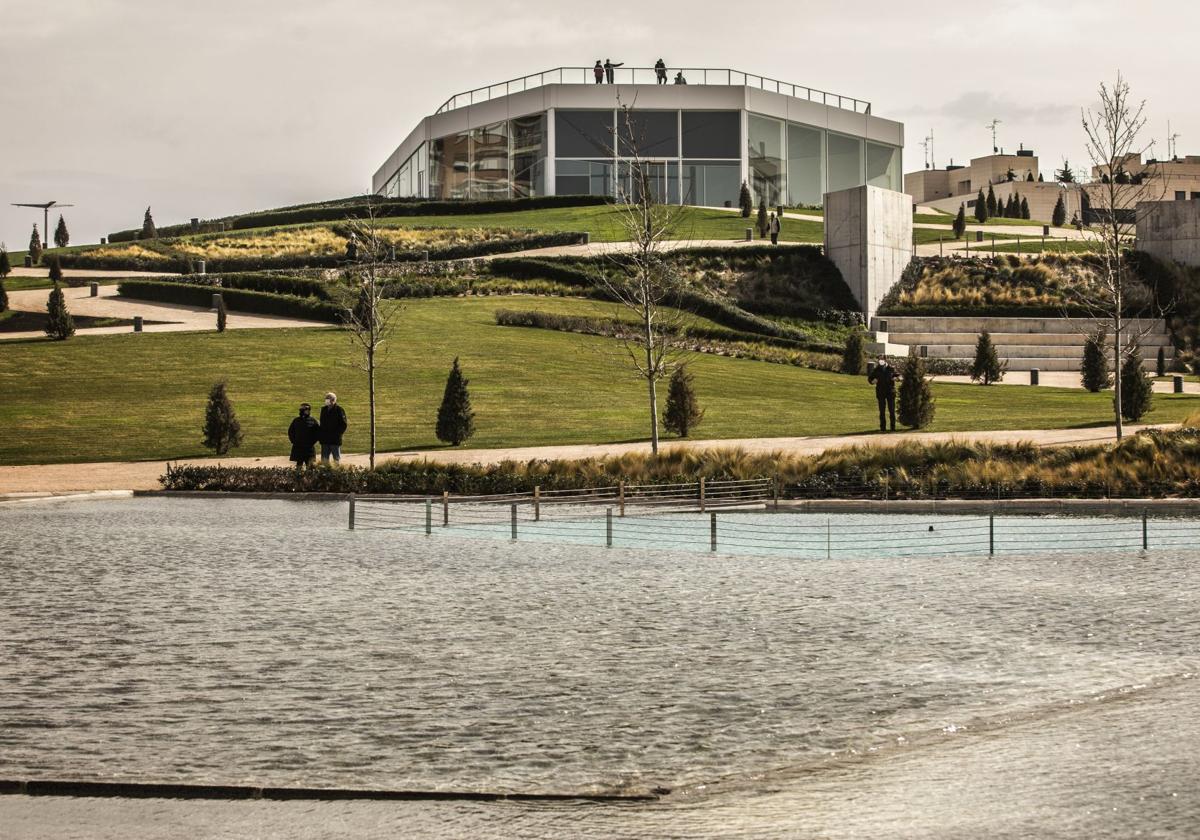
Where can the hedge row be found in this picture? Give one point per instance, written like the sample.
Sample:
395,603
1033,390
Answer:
277,284
358,208
238,300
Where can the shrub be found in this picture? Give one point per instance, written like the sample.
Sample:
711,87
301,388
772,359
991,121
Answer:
1025,205
455,419
59,324
56,275
1059,217
745,201
62,237
148,230
762,223
854,357
275,283
986,368
1094,373
222,431
683,412
981,210
1136,390
916,405
5,265
3,296
222,314
960,222
237,300
35,246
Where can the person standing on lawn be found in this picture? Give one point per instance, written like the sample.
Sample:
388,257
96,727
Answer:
333,426
304,434
773,226
883,376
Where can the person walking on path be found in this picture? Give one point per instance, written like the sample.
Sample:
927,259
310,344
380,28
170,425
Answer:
333,426
608,69
304,434
773,226
598,70
883,376
660,71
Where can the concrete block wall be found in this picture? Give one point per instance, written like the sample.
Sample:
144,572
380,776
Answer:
1170,230
868,236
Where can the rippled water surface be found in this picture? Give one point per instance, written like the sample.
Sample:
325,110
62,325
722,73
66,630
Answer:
262,642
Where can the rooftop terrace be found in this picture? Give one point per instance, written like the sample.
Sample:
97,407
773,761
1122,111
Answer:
647,76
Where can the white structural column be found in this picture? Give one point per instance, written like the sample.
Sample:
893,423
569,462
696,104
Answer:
869,237
551,151
745,147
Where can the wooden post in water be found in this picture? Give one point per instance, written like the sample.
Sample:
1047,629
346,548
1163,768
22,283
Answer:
712,532
621,497
991,534
514,520
702,494
428,516
608,528
828,538
351,511
445,508
537,503
1145,532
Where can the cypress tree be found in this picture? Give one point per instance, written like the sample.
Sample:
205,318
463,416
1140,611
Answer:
1094,371
1160,364
56,274
1029,175
222,431
35,246
1012,208
222,314
455,419
683,412
1024,208
59,324
1136,390
745,201
981,210
61,237
5,265
960,222
148,230
991,201
986,368
854,356
1059,217
3,295
916,407
1041,178
762,219
1065,175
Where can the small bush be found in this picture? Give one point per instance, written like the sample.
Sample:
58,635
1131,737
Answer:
455,419
59,324
986,368
854,357
222,431
1093,372
1136,391
916,404
745,201
960,222
148,229
222,314
1058,217
683,412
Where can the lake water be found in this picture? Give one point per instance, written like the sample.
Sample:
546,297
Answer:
262,643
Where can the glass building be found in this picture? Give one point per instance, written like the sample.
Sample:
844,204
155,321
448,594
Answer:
697,143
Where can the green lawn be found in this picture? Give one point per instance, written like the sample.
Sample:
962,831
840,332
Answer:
947,219
925,236
133,396
1033,245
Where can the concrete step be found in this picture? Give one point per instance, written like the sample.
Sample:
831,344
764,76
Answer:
976,325
1045,363
1005,339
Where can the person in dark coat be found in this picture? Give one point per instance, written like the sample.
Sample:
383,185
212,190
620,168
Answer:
333,426
599,71
773,227
608,69
660,71
883,376
304,434
679,80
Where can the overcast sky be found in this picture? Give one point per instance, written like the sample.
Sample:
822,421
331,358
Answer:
208,108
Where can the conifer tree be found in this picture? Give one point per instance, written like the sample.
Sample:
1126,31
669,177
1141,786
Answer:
960,222
854,356
1160,364
1059,217
61,237
1065,175
455,419
987,367
35,246
1136,390
222,431
991,202
222,313
981,210
59,324
5,265
1094,373
763,225
1029,175
745,201
683,412
916,397
56,275
1024,208
3,293
148,230
1011,207
1041,178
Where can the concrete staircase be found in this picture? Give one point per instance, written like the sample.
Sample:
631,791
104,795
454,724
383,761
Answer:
1025,343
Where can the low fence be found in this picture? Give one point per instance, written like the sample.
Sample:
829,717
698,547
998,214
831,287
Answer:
744,517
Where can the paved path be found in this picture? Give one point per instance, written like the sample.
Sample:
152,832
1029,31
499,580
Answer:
110,305
1064,379
88,273
143,475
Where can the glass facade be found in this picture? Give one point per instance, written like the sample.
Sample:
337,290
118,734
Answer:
689,157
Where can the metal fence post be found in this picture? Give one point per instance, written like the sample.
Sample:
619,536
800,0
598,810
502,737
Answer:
828,538
514,520
1145,532
608,528
991,534
537,503
621,497
702,495
351,511
712,532
445,508
428,516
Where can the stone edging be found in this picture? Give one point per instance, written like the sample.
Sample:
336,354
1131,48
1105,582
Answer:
1068,507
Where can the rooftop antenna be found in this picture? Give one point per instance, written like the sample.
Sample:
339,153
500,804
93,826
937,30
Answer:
45,208
1172,145
932,160
925,146
992,125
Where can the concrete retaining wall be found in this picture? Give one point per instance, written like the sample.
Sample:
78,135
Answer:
868,236
1170,230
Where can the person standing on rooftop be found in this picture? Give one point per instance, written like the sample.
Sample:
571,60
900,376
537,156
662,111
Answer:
679,80
660,71
599,71
608,69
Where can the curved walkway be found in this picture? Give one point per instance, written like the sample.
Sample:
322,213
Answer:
44,479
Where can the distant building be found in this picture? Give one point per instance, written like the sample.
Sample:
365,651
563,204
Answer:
1164,180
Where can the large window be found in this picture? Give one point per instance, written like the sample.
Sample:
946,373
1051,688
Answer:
528,156
711,183
653,134
883,166
489,161
449,160
845,161
583,134
805,165
765,151
583,177
712,134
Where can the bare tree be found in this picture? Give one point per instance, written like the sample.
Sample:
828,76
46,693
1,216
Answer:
369,322
642,279
1113,141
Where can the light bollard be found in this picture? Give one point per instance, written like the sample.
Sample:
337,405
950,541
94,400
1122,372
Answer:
1177,384
137,323
93,289
1034,376
1145,532
351,511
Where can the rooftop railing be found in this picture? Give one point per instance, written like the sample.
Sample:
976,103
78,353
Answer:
648,76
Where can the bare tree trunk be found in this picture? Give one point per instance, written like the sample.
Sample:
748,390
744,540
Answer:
1117,325
371,398
652,382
